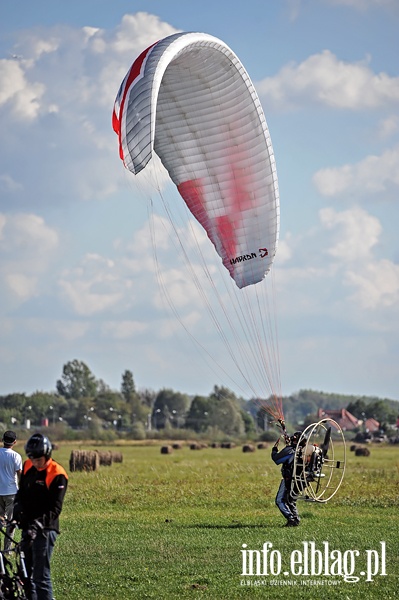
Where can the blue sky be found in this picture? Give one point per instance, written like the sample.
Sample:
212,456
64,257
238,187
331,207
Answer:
71,218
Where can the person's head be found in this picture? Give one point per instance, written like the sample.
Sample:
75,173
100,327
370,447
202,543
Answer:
294,439
38,449
9,438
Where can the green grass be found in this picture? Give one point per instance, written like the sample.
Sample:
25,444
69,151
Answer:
172,526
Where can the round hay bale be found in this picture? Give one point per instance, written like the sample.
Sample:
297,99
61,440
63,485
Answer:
215,445
166,449
362,452
248,448
117,457
353,447
105,458
177,446
228,445
195,446
262,446
84,460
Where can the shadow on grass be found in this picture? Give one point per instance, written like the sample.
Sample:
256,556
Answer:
229,526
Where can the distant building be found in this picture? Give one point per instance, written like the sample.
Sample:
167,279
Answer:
347,421
371,425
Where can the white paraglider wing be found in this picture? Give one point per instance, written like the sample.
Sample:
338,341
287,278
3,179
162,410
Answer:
189,99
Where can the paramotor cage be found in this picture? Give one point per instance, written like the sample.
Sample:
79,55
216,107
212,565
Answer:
319,463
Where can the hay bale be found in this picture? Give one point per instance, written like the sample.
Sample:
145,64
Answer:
262,446
117,457
195,446
248,448
227,445
215,445
353,447
105,458
177,446
84,460
166,450
362,452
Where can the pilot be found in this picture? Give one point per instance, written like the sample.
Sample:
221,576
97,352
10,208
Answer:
285,498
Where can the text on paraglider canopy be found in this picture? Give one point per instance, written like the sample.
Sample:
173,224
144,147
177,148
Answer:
262,253
313,561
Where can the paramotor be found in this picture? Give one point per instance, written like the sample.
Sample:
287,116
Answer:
319,463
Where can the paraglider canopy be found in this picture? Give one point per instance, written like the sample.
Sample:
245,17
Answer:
189,99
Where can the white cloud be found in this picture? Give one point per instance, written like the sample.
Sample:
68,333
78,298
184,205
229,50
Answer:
374,282
3,221
373,174
26,240
7,183
360,5
93,287
67,330
57,95
137,31
389,126
136,278
376,286
22,96
356,233
23,286
38,47
27,247
364,5
121,330
324,79
284,251
350,282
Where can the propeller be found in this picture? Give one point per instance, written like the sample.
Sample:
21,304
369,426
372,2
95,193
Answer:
326,443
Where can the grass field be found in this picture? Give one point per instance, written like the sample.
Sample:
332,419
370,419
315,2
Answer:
172,527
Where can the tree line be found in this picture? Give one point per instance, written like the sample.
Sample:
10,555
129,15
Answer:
84,406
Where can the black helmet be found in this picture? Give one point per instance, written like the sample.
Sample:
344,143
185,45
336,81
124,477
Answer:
294,439
37,446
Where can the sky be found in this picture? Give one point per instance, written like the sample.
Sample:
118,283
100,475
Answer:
75,280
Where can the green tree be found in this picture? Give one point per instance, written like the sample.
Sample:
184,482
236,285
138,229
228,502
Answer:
262,419
111,407
223,393
40,403
14,401
77,381
357,408
249,423
226,416
170,407
84,412
199,414
381,411
138,431
226,412
138,403
147,397
12,409
128,388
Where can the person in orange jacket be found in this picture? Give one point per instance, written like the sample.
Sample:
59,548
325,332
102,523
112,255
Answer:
38,504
